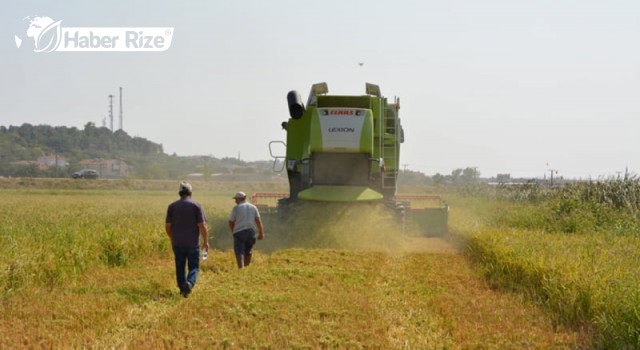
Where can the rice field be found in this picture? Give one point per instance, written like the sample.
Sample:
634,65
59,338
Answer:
88,265
574,250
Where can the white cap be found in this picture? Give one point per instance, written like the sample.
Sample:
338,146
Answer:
240,195
185,187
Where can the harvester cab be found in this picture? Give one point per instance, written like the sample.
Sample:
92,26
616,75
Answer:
347,149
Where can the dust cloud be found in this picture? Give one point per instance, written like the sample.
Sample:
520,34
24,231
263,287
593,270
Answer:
349,226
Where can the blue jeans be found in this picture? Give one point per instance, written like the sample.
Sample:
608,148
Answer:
189,256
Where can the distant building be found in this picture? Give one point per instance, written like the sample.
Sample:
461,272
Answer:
503,178
47,162
107,168
31,162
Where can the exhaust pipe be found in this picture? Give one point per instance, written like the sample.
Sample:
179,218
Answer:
296,107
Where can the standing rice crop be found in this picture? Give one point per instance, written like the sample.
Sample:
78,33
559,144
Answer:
48,237
575,249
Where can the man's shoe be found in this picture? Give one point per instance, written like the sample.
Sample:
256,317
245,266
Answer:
186,289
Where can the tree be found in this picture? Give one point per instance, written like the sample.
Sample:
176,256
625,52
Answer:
438,179
470,175
456,176
465,176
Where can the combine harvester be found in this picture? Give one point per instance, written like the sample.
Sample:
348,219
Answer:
347,149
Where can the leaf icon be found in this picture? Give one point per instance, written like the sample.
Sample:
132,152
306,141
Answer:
49,38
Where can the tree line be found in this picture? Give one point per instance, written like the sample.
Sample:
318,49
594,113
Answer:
146,159
458,177
30,142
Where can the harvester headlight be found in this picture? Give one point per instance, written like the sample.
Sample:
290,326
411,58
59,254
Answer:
373,89
319,89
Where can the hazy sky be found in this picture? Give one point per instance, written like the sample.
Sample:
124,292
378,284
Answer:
506,86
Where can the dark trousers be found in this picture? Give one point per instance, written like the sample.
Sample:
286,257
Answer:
243,242
187,257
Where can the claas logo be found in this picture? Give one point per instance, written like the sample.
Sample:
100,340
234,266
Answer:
341,112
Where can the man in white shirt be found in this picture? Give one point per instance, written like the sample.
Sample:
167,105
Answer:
243,221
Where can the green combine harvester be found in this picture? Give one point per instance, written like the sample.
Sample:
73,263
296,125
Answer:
347,149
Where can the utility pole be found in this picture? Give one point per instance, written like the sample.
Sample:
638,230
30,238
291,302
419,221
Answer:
111,111
552,171
121,126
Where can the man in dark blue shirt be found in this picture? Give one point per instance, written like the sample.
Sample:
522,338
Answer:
184,223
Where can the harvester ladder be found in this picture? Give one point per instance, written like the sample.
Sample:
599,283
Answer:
390,139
